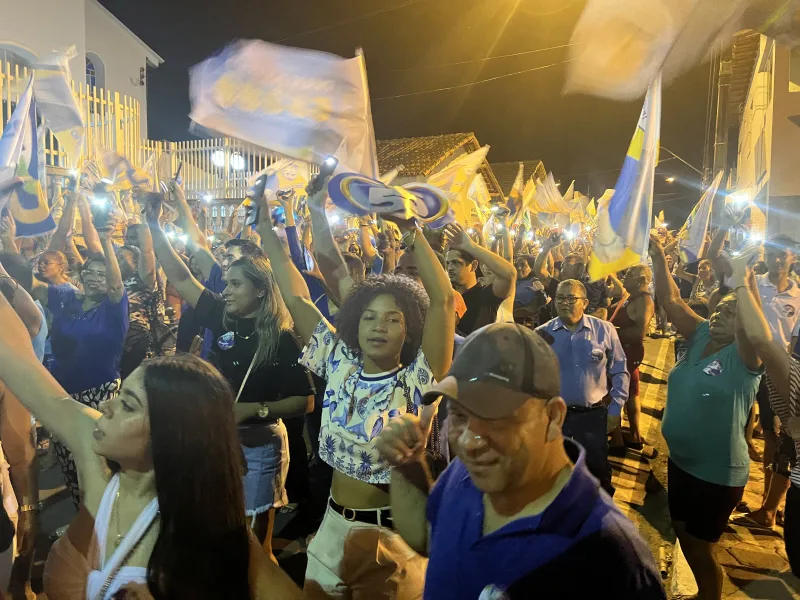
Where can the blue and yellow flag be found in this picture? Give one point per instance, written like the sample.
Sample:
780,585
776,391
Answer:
21,156
623,229
515,196
692,235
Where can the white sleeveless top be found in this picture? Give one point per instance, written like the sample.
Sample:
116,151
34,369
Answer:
125,574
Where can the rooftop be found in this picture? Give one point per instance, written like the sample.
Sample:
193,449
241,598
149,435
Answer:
506,172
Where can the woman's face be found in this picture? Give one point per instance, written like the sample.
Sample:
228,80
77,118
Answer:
122,433
382,330
93,277
722,322
704,271
49,267
242,298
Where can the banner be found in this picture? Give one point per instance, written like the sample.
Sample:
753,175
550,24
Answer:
623,228
389,177
692,236
300,103
57,103
456,181
21,164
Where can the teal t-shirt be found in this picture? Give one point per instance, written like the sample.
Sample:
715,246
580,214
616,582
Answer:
708,403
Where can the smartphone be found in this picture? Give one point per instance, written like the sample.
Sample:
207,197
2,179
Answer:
178,172
252,213
100,206
325,171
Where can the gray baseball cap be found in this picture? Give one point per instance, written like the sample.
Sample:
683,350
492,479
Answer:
498,368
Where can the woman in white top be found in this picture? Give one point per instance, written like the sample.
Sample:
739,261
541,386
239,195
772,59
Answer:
390,342
159,470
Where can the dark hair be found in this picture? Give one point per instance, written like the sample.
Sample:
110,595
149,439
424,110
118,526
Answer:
531,260
18,268
410,297
133,250
782,241
202,550
465,256
247,247
355,267
92,257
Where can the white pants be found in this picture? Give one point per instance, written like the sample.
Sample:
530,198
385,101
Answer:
354,560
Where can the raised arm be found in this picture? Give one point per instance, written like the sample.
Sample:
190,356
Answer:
176,270
329,258
147,256
87,227
505,275
440,320
540,268
680,315
753,334
21,302
65,224
364,233
293,287
187,222
113,276
32,384
8,233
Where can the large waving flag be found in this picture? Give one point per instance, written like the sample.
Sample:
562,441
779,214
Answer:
57,102
22,168
692,236
455,180
515,196
300,103
623,230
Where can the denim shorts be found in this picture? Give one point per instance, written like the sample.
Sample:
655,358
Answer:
267,466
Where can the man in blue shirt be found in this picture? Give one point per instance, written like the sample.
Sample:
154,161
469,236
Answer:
589,354
517,514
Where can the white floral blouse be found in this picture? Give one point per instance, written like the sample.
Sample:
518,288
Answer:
356,406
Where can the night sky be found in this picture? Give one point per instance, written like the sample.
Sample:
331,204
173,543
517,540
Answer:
406,42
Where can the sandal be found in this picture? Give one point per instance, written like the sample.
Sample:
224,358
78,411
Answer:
751,523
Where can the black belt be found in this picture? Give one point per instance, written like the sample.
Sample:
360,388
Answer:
585,409
377,516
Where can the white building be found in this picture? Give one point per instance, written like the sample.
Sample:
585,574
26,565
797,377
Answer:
109,55
758,128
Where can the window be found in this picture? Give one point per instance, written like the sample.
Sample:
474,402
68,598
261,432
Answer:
91,73
14,60
213,212
223,211
794,70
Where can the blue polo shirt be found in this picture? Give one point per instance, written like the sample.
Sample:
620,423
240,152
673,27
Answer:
579,545
587,359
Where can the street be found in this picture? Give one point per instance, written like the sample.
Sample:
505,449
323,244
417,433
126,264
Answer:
755,563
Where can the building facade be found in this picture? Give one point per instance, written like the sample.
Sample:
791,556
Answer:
108,54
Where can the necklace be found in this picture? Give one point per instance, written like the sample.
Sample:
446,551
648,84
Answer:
118,538
236,328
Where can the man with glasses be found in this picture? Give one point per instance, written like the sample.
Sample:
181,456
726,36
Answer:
572,267
589,353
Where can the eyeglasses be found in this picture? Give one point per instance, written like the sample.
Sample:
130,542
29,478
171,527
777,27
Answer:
94,275
47,263
571,300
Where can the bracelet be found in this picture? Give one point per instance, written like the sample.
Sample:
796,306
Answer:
738,287
29,508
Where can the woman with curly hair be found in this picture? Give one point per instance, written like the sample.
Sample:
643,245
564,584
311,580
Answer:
256,351
392,339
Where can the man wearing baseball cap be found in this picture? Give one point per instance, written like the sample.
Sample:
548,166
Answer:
516,514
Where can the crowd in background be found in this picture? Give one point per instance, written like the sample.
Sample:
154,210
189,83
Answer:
461,393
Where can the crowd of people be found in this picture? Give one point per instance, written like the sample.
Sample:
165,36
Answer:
461,395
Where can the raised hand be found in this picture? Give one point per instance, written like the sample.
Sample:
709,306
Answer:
152,208
404,438
655,248
457,238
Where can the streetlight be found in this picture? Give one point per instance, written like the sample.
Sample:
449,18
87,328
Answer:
237,161
218,158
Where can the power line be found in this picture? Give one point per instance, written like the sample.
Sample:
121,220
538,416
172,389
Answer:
467,62
351,20
464,85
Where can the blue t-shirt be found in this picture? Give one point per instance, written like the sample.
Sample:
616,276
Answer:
39,340
581,529
708,404
216,285
86,345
